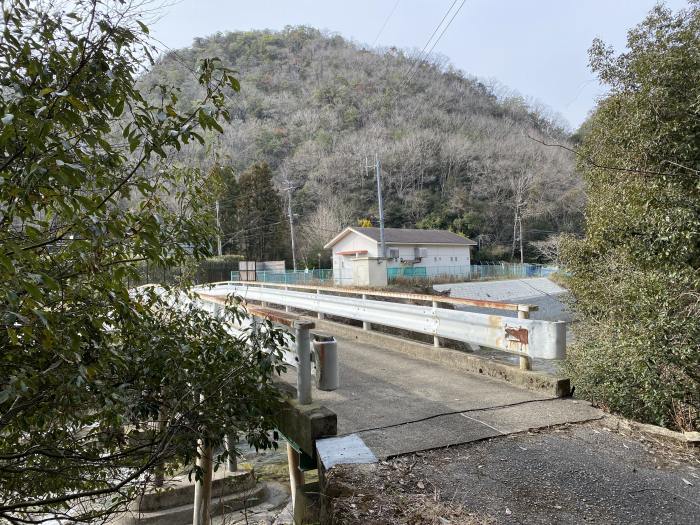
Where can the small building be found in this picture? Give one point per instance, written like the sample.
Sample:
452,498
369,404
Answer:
409,253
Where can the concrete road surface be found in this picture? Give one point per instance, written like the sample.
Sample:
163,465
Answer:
399,404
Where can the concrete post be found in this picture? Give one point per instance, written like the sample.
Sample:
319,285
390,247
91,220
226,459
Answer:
303,340
365,324
286,288
320,314
436,339
524,313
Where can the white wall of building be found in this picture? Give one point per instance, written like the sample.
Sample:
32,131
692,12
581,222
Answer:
342,264
440,259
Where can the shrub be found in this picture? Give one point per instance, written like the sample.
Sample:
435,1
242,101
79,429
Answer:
636,275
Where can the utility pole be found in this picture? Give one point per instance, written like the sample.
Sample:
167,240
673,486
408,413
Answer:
218,230
291,226
380,202
520,224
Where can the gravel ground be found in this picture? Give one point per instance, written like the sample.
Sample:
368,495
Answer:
583,473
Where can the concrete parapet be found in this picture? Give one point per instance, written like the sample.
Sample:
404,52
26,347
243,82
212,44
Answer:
304,424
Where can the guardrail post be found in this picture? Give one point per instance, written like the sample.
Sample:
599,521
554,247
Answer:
303,340
524,313
320,314
436,339
366,325
286,288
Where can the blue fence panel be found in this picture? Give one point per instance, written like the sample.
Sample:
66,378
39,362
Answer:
407,272
290,276
473,272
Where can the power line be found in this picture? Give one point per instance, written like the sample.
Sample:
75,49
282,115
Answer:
385,23
415,66
441,34
427,43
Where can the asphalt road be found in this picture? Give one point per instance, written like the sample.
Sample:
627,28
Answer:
583,473
571,474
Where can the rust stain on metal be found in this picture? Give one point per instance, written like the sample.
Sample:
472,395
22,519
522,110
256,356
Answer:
212,298
495,321
520,335
272,315
275,317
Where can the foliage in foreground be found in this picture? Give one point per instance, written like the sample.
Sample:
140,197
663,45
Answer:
636,275
98,387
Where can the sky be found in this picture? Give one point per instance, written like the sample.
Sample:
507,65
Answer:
538,48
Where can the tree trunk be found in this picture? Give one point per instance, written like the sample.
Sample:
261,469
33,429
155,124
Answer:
202,489
522,257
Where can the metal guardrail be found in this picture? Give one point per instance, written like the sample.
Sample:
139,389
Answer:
479,303
524,337
312,354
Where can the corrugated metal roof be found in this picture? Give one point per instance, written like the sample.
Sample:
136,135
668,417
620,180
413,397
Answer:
414,236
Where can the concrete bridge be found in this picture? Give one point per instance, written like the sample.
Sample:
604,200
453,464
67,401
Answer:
427,381
398,395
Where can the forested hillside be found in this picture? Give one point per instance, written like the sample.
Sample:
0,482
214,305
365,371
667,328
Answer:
313,106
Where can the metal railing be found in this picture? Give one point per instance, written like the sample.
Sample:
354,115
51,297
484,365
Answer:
525,337
299,353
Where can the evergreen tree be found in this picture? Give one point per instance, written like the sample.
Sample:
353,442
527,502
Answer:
636,275
228,208
101,385
261,226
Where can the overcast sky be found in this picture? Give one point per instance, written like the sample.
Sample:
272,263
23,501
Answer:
537,47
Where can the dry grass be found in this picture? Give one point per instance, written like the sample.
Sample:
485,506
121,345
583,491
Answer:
390,494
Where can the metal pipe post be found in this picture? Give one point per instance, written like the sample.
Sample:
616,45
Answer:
303,340
230,444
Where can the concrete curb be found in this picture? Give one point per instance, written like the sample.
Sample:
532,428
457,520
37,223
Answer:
691,439
532,380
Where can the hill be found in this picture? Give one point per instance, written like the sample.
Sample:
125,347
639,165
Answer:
454,154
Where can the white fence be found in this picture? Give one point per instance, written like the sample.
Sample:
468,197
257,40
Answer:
525,337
